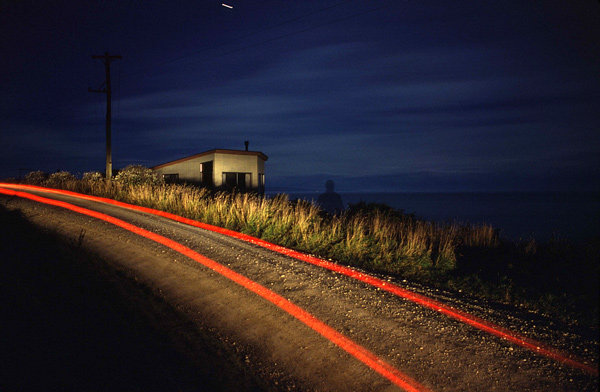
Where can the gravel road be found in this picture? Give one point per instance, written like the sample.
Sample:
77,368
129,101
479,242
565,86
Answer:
243,342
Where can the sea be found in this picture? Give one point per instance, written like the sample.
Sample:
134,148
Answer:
519,216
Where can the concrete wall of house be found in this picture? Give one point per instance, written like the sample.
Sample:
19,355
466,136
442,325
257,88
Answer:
233,163
187,170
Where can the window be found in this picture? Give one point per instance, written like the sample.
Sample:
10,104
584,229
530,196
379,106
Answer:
239,181
171,177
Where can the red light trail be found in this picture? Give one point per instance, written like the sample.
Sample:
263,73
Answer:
362,354
422,300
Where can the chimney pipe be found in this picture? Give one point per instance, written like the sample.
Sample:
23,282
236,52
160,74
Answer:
246,143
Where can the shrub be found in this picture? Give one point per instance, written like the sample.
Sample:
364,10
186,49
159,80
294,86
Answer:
35,178
93,177
138,175
60,179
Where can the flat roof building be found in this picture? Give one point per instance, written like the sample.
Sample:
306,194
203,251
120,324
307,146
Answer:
220,169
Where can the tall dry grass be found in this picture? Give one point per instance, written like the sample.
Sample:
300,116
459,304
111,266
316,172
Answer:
372,237
472,259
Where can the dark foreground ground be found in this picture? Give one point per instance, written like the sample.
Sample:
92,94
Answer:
68,323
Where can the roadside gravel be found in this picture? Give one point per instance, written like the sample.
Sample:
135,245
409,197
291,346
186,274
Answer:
271,350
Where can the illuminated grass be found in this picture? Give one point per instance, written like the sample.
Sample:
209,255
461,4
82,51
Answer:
374,237
556,278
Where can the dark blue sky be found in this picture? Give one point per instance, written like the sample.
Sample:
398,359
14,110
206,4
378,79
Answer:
379,95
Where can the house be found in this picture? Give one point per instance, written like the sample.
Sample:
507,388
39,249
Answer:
220,169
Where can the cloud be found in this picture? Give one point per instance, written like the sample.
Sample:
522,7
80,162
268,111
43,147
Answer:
342,110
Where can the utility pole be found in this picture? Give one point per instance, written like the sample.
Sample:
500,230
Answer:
107,59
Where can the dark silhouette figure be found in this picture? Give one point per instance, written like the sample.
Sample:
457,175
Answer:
330,201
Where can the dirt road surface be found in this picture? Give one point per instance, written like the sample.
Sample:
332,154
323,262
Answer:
177,325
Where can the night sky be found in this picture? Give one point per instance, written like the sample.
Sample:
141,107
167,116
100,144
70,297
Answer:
380,95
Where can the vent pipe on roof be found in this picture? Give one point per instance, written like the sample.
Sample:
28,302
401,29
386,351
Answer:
246,143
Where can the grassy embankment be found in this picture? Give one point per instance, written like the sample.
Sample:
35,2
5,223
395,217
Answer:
557,278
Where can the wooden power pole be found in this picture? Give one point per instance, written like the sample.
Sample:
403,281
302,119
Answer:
107,59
